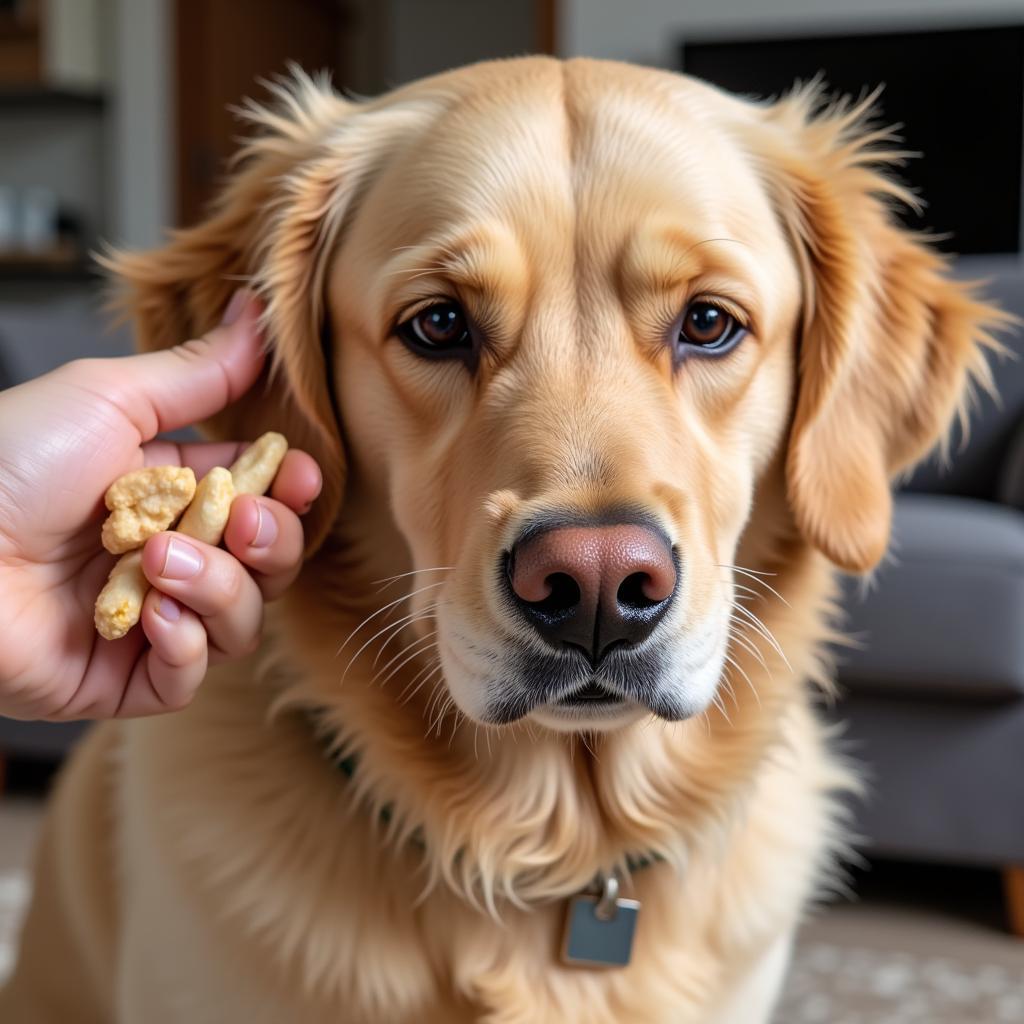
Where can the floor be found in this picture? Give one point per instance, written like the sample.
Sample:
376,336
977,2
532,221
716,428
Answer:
918,945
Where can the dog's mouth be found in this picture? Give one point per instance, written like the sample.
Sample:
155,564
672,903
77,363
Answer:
590,706
592,695
562,690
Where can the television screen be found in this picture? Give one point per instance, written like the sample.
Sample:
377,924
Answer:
958,93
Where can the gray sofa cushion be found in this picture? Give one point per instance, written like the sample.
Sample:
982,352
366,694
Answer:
945,614
945,778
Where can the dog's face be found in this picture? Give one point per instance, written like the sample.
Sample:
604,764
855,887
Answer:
567,357
576,315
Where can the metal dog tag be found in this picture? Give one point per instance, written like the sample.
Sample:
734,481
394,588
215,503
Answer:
599,929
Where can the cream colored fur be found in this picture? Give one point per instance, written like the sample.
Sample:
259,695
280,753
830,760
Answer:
215,865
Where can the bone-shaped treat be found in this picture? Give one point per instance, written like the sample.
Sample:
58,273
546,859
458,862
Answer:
119,604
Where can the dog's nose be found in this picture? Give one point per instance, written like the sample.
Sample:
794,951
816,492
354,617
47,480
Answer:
593,587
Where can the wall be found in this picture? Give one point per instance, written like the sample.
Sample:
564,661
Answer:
142,127
113,166
428,36
649,31
72,46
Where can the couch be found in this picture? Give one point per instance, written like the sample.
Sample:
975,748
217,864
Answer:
933,695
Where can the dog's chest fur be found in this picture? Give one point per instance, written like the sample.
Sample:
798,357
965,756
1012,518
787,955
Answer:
268,880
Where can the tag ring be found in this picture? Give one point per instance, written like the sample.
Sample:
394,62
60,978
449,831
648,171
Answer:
606,905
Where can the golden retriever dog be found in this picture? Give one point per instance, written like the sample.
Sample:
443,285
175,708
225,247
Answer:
607,372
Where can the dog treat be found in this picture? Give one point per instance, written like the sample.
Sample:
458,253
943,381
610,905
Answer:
255,469
120,602
143,503
207,516
119,605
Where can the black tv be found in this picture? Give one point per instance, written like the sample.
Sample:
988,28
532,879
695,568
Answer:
959,94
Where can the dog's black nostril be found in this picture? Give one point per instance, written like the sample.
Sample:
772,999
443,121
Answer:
565,595
630,594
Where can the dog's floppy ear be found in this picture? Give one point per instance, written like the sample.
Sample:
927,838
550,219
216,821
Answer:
890,346
273,228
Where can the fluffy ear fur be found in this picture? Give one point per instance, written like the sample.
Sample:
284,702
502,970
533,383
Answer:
273,228
890,346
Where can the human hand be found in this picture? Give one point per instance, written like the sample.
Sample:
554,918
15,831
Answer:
64,438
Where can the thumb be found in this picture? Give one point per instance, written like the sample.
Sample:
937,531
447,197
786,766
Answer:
162,391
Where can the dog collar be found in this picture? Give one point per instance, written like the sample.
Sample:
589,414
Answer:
599,923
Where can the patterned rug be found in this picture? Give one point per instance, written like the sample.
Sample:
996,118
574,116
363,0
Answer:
829,983
833,984
13,897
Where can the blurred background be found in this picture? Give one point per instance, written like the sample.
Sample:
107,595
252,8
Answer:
114,126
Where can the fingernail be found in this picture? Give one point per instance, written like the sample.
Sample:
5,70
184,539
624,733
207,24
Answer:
235,306
266,527
181,562
169,609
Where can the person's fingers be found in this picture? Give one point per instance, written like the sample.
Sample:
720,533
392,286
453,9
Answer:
266,536
201,456
298,482
213,583
101,691
167,676
162,391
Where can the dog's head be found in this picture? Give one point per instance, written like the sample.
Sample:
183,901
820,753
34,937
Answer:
568,324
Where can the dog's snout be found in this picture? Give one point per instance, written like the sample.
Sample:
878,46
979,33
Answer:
593,587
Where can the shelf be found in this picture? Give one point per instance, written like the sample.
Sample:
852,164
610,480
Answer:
45,97
59,266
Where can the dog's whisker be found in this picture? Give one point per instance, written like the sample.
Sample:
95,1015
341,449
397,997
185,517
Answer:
428,672
418,651
717,702
756,575
730,690
389,580
442,707
403,650
434,697
590,749
739,668
459,716
736,632
380,611
418,677
765,632
369,618
391,625
446,709
744,569
426,613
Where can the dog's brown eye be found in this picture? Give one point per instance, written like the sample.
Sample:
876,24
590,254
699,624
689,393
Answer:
438,330
707,326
